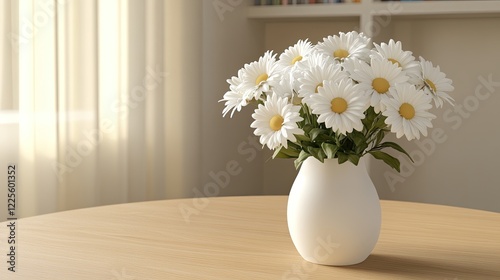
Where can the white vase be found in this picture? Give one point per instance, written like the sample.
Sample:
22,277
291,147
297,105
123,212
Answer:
333,212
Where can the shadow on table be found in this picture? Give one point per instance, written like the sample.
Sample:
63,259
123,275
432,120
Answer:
406,267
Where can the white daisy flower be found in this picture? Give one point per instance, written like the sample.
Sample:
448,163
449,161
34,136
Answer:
340,106
377,79
345,45
351,64
284,88
295,53
234,97
259,76
435,83
315,58
291,57
395,54
276,122
407,112
314,78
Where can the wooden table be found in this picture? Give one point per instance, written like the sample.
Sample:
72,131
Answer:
244,238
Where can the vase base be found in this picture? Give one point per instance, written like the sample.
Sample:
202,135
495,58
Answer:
335,262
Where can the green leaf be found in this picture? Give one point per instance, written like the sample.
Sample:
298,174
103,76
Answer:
322,138
357,137
307,128
390,160
315,132
294,146
302,138
277,153
342,157
353,158
360,141
329,149
338,139
317,153
369,118
381,122
380,137
281,152
302,156
396,147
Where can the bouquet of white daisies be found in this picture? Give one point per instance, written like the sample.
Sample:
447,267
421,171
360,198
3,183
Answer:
338,98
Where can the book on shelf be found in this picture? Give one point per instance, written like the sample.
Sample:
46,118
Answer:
302,2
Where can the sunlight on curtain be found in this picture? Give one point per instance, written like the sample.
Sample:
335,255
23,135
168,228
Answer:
8,100
183,42
9,124
113,47
77,71
109,101
33,157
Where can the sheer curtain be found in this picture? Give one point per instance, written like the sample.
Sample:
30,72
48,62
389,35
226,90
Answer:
8,63
108,95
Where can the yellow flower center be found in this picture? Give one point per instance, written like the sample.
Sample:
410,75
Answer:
339,105
340,53
296,59
380,85
317,87
407,111
276,122
431,85
394,62
261,78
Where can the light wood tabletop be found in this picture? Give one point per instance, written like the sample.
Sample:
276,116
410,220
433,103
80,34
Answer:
243,238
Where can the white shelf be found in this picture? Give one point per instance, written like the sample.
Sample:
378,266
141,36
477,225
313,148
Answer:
423,8
305,11
440,8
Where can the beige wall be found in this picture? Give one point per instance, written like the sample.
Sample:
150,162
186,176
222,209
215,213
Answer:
229,41
460,166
